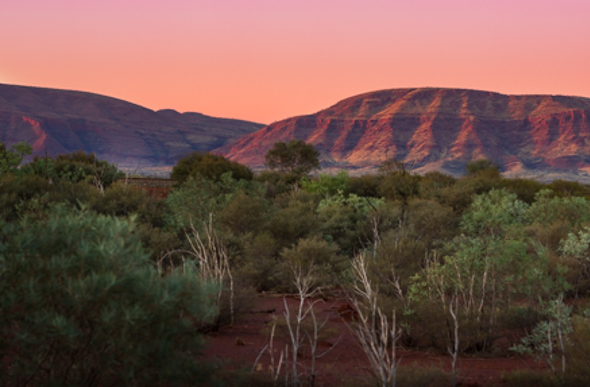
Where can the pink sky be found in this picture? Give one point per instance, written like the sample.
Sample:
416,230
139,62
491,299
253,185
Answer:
265,60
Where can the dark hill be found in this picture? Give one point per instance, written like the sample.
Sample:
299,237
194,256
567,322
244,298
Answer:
61,121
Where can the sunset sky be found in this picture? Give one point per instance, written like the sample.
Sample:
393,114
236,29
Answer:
265,60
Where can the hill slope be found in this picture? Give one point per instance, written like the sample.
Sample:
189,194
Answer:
438,129
61,121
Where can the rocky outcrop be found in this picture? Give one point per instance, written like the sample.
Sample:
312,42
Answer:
438,129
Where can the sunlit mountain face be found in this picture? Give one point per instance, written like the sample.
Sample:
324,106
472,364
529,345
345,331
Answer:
438,129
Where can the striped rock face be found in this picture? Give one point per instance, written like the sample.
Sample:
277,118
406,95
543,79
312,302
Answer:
438,129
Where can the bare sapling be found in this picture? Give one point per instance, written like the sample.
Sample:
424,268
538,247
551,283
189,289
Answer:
454,349
211,254
550,336
298,334
394,279
97,181
376,333
313,339
560,314
304,283
274,367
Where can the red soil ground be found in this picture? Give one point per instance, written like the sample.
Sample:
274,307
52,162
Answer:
240,345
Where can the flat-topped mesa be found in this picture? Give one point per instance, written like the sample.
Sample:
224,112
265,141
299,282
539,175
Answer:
437,129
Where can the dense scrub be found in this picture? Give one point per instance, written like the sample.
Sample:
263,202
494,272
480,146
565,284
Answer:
465,263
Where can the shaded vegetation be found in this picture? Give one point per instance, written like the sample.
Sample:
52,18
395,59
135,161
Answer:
470,261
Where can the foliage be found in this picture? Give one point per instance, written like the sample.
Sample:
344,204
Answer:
460,194
492,251
548,209
294,218
489,265
365,185
576,346
316,256
345,220
295,157
260,262
327,185
397,182
74,167
433,183
11,158
209,166
549,336
525,189
15,191
276,183
577,247
199,197
82,305
245,212
483,167
564,188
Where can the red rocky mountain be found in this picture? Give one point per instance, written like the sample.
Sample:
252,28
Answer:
61,121
439,129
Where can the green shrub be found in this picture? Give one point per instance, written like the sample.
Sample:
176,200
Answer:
365,185
294,157
432,184
483,168
260,262
15,191
345,220
294,219
74,167
82,305
327,185
315,256
198,198
209,166
11,158
119,200
244,213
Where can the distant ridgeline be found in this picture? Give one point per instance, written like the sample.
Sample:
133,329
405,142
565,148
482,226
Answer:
430,129
60,121
434,129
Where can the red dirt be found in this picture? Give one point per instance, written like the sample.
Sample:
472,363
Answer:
239,345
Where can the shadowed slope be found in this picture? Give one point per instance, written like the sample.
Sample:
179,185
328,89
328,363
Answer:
61,121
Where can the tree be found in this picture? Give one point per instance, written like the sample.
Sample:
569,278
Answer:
11,158
81,304
490,264
295,157
397,181
483,167
75,167
327,185
199,197
208,165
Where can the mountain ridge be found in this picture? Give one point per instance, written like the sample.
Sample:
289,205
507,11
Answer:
438,129
61,121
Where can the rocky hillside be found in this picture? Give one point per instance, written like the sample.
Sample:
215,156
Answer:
439,129
60,121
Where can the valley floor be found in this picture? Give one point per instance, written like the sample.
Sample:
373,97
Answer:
345,364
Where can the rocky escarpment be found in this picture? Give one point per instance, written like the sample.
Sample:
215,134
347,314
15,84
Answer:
60,121
438,129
